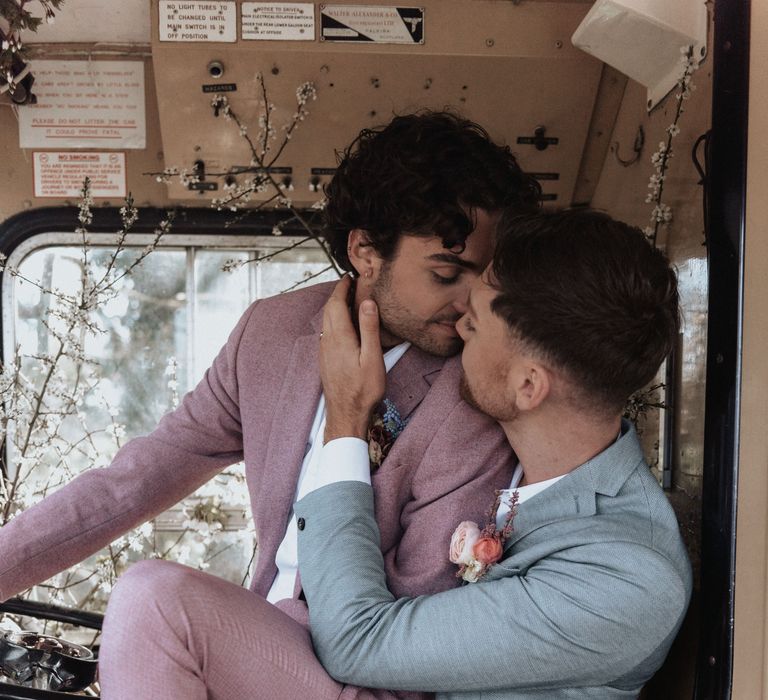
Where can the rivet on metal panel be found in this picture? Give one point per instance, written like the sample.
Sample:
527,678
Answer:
558,44
489,42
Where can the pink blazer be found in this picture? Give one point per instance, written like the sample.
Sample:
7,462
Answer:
256,402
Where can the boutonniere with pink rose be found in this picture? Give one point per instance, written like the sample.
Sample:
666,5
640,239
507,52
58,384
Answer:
476,550
384,429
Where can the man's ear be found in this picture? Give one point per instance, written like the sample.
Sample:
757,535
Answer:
363,256
531,385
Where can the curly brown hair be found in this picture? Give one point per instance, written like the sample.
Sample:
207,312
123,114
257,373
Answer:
422,174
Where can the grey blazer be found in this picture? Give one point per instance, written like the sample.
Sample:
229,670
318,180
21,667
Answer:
585,603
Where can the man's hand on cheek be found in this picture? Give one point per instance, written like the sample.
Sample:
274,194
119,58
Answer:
351,368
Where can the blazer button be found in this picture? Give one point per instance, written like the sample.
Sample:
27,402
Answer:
300,523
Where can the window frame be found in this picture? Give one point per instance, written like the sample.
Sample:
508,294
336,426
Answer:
192,226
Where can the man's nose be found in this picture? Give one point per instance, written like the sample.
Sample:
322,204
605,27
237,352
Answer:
460,326
460,303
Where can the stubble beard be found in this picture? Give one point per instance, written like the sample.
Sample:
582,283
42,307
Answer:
465,391
400,325
504,413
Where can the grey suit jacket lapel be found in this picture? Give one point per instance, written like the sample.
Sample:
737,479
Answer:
574,496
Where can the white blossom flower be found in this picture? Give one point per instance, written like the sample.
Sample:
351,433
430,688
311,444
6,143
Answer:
116,431
306,91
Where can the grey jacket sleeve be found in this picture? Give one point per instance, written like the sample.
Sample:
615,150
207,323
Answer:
582,616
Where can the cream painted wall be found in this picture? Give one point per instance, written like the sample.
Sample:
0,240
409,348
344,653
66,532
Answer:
83,21
750,680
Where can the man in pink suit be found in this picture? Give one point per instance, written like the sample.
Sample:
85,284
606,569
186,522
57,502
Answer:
412,211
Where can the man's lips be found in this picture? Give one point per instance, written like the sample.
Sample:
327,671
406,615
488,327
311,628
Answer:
448,326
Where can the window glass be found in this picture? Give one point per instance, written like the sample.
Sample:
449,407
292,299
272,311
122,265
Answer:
150,340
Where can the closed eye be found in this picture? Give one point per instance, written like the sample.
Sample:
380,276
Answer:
440,279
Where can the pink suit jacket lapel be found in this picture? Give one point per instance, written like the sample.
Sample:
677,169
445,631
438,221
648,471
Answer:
295,409
409,380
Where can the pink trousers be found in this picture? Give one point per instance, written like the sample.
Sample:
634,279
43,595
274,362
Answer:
174,633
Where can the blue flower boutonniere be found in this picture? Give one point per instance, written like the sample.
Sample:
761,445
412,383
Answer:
384,429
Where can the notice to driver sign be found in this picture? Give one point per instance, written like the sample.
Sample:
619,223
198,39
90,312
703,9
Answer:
372,23
286,21
61,174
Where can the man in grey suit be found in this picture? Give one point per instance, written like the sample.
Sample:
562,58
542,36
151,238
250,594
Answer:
580,581
579,595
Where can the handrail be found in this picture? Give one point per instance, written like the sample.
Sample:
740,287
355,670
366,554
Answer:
45,611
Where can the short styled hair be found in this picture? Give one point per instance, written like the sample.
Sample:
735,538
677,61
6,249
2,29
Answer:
590,295
421,174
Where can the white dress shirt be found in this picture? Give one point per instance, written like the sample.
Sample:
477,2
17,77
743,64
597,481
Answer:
345,459
523,493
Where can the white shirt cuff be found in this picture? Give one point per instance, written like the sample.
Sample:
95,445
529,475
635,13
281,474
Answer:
344,459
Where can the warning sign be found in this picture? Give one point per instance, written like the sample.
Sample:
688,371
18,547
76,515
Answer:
372,23
282,21
198,21
60,174
85,104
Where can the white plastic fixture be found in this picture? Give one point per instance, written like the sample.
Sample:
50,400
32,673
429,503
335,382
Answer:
643,39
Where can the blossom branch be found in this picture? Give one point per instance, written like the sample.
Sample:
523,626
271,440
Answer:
661,214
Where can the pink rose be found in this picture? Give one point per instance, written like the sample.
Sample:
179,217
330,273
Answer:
487,550
464,538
